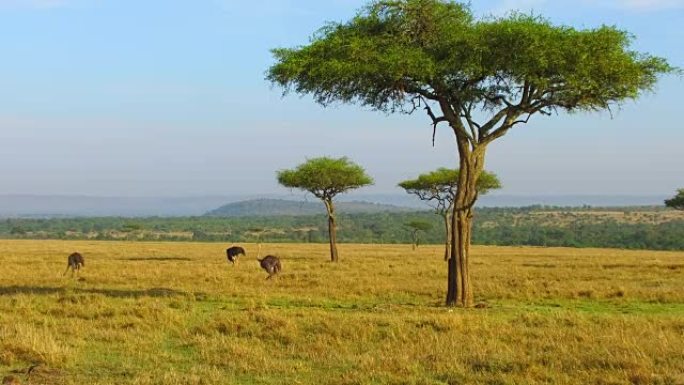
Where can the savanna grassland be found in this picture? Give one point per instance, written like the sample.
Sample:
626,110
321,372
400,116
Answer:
178,313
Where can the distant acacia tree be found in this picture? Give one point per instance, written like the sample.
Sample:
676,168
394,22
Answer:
325,178
258,233
416,227
677,202
438,189
305,232
481,77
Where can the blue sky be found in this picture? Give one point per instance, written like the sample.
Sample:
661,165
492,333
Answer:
152,97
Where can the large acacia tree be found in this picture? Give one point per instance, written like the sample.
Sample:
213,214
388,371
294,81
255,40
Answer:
438,188
481,77
325,178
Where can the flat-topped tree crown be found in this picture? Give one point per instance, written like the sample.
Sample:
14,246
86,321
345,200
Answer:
393,52
440,185
325,177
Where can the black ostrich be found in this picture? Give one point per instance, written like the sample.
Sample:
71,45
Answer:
233,252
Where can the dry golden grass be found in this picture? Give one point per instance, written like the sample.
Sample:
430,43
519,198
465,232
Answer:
178,313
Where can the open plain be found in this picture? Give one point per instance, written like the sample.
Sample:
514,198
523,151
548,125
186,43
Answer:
179,313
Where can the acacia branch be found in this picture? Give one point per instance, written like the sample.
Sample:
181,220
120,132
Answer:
421,92
527,92
433,198
499,98
454,120
435,121
484,130
522,120
512,112
503,128
474,126
512,120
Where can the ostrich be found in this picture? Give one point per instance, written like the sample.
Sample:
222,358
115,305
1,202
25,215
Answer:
233,252
74,262
270,263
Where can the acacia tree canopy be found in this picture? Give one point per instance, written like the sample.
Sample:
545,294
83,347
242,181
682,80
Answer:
419,225
396,51
440,185
677,202
325,177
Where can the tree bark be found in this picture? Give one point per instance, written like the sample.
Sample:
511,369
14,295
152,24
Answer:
447,233
332,230
459,290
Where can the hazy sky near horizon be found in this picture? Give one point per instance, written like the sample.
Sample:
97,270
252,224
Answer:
152,97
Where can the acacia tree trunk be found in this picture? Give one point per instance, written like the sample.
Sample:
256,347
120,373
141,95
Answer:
447,233
459,290
332,230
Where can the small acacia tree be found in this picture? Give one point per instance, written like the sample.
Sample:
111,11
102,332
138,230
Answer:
258,233
416,227
325,178
480,77
677,202
438,188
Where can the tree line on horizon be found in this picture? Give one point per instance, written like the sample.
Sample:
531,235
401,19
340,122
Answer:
524,226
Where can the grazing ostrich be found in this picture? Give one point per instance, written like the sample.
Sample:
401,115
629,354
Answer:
271,264
233,252
74,262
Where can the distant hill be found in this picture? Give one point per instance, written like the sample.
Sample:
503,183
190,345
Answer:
48,206
274,207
